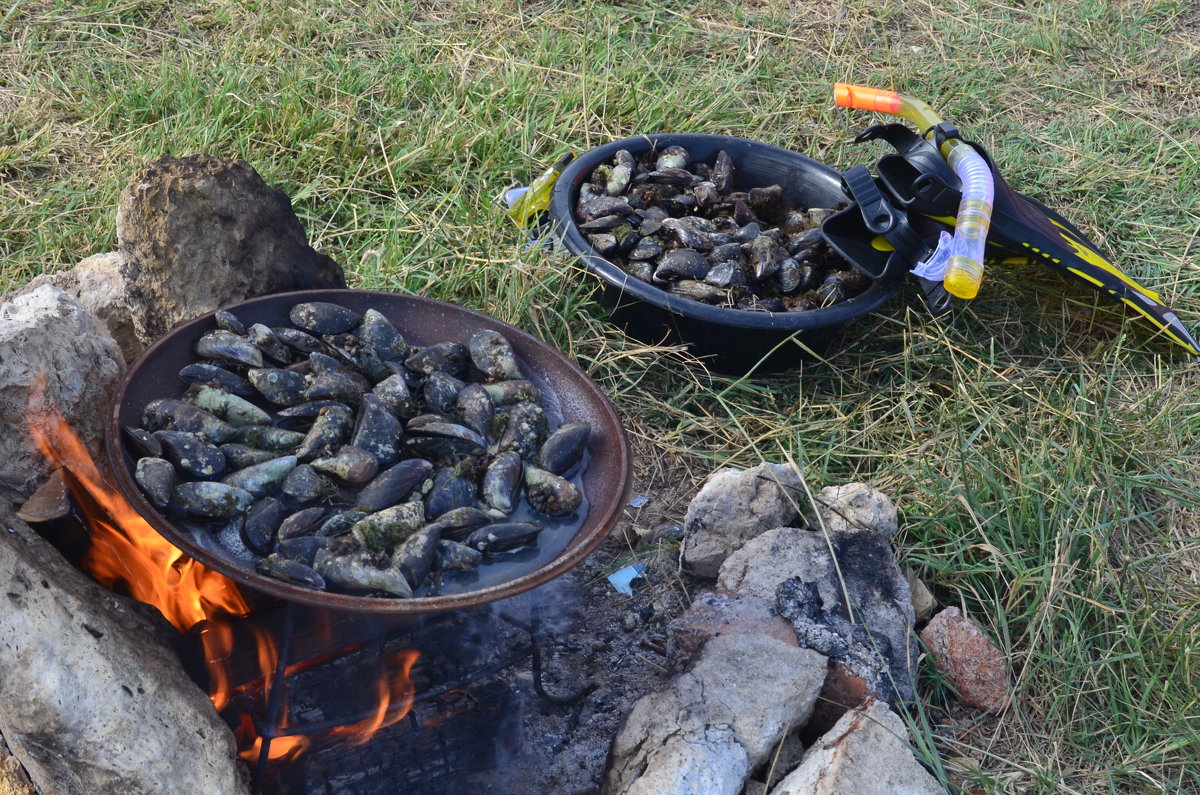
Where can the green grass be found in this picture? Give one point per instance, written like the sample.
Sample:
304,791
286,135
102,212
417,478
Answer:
1041,448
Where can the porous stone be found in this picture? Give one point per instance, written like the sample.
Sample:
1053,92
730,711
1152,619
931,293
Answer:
716,613
50,345
734,505
99,286
91,699
200,232
865,753
971,663
711,726
853,507
845,597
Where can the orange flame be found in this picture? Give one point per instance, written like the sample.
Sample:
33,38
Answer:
396,694
128,555
129,552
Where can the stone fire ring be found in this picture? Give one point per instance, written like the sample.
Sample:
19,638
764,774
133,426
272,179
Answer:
423,321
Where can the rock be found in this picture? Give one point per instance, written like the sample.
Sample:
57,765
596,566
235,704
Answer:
871,635
98,285
922,598
13,780
841,692
855,506
200,232
711,726
865,753
733,506
91,700
722,613
46,334
971,663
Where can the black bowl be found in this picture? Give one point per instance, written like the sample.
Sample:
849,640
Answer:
728,340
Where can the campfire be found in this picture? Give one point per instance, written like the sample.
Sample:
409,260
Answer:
129,556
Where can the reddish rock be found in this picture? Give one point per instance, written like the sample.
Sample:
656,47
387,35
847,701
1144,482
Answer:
972,664
841,692
723,613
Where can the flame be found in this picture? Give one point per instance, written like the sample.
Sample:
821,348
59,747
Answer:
129,556
395,700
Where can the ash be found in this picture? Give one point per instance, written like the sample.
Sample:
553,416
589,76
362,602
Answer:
595,639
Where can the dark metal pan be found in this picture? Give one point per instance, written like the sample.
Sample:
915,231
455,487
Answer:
570,393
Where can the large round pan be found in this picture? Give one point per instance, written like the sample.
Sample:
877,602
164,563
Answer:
569,391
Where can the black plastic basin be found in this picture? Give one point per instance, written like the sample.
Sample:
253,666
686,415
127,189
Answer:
730,341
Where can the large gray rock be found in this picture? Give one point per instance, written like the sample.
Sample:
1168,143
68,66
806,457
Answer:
48,338
712,725
865,753
854,506
91,700
98,285
734,505
200,232
845,596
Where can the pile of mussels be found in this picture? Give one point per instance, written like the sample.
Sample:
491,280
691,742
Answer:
686,228
345,459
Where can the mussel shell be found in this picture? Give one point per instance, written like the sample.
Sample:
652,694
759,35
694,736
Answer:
377,331
526,430
281,568
551,494
350,465
453,487
377,431
393,485
457,523
339,523
358,354
357,572
301,523
302,549
492,354
178,415
305,484
271,346
143,442
262,479
502,481
503,537
225,346
235,410
206,499
156,478
202,373
329,430
299,341
415,555
337,384
239,456
229,322
476,410
446,357
321,317
281,387
504,393
261,525
383,530
453,556
192,454
266,437
441,391
565,447
396,396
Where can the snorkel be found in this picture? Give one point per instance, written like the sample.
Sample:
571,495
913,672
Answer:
963,255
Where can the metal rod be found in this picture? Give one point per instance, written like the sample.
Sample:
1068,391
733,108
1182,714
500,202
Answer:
269,728
535,631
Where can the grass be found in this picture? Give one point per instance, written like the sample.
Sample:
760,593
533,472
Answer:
1041,447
